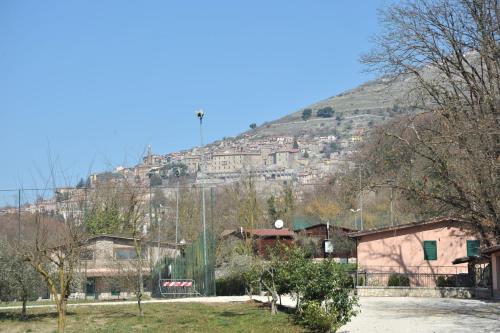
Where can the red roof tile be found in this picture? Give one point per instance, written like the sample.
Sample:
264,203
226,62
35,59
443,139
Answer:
271,232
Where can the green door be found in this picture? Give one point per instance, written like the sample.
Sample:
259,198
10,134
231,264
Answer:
90,287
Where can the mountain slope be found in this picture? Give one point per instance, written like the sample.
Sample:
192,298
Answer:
361,107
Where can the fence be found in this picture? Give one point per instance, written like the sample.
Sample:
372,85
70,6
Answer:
442,276
190,266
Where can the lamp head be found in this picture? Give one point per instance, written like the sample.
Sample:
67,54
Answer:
200,114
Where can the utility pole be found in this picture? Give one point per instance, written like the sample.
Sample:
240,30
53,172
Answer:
18,216
200,115
392,218
360,198
177,211
158,211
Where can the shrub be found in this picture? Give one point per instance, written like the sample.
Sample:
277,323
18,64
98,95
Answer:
327,301
398,280
316,317
306,114
233,285
443,281
326,112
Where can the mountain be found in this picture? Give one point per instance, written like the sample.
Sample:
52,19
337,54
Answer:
361,107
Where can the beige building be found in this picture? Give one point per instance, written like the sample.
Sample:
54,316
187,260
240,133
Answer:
231,162
193,163
109,265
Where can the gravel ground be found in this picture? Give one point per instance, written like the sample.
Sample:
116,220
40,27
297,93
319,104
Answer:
438,315
385,314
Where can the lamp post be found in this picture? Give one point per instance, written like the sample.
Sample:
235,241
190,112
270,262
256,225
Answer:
355,211
200,114
177,174
391,183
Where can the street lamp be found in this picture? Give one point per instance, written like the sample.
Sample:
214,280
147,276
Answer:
391,182
355,211
200,114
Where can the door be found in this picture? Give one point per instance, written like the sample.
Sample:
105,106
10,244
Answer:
90,287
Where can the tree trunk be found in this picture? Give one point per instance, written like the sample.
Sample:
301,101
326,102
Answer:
61,311
23,311
140,292
274,301
139,304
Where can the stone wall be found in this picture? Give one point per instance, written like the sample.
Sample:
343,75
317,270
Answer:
450,292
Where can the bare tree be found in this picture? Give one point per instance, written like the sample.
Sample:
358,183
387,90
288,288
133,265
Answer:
54,253
447,154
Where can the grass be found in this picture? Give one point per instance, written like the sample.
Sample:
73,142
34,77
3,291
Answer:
48,302
161,317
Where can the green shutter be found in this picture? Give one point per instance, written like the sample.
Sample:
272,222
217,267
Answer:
472,248
430,250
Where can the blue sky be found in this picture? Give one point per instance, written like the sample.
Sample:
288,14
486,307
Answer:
89,84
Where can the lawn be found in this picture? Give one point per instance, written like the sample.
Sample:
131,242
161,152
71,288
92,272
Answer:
163,317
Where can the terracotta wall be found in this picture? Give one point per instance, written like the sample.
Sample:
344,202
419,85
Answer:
402,250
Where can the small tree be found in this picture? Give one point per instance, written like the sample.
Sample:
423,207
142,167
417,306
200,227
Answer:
18,280
327,299
54,253
306,114
253,125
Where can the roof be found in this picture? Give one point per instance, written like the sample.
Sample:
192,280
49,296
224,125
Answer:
491,249
404,226
471,259
130,239
271,232
307,222
332,226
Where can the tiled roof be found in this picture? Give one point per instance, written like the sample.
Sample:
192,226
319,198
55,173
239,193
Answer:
271,232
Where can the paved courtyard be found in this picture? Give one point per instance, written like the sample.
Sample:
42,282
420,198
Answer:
439,315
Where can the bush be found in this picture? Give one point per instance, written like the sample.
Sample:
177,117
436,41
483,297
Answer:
306,114
327,301
443,281
233,285
316,318
398,280
326,112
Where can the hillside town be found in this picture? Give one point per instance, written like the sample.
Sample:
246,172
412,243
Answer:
250,166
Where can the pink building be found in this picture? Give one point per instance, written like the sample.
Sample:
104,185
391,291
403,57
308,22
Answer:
494,253
426,247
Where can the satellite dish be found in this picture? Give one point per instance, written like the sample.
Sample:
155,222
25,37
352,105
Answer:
278,224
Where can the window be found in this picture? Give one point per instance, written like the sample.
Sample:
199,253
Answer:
128,253
430,250
472,248
87,255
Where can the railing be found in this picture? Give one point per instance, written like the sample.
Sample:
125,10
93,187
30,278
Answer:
414,279
444,276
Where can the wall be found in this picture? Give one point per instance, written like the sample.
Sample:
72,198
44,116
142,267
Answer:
402,250
495,267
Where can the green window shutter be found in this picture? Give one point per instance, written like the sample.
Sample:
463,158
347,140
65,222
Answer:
472,248
430,250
